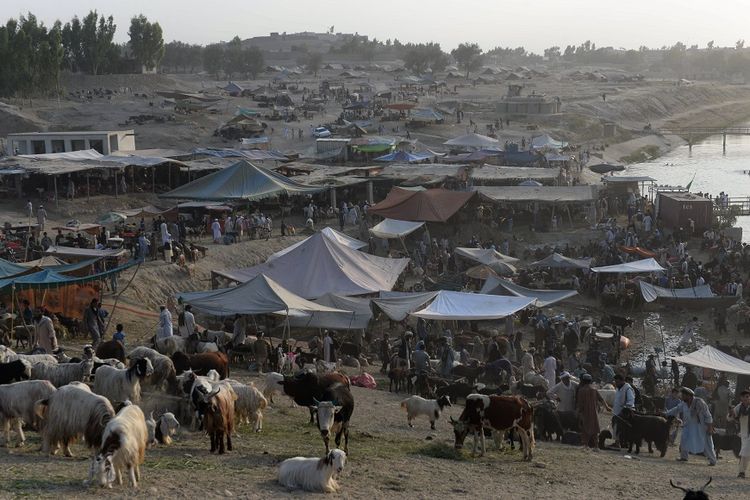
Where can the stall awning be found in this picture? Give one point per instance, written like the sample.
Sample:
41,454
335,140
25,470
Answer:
398,305
392,228
713,359
486,256
557,261
638,266
544,298
472,306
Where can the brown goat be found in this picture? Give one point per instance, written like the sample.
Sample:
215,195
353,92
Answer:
111,349
218,417
202,363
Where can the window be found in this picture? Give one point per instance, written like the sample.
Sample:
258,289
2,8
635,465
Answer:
38,147
77,145
58,145
97,144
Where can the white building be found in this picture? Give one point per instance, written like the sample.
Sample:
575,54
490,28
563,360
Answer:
106,142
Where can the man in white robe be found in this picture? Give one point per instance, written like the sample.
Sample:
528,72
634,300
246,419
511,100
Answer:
165,323
697,426
216,230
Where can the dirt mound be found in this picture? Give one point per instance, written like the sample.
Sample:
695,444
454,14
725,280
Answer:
15,119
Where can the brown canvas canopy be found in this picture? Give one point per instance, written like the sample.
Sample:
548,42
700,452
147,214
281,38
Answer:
430,205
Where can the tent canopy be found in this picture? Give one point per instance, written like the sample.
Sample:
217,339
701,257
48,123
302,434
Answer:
431,205
638,266
713,359
484,255
320,265
544,298
472,306
358,319
391,228
403,156
546,141
473,141
48,278
241,181
260,295
329,233
398,305
557,261
651,292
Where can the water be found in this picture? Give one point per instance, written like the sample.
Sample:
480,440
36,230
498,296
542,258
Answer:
714,172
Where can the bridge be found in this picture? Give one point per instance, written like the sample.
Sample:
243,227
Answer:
690,132
737,206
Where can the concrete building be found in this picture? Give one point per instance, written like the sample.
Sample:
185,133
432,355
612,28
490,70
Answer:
513,103
106,142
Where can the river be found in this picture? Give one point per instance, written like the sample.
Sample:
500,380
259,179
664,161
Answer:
714,171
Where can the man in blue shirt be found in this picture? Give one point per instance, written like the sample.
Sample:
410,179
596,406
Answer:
624,398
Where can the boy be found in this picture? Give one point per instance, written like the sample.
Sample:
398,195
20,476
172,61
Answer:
119,335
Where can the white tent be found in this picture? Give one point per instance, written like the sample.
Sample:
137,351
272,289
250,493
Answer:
638,266
322,265
472,306
652,292
398,305
329,233
557,261
713,359
357,320
486,256
392,228
474,141
544,298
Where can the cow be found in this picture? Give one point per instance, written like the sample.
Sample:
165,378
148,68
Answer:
202,363
305,388
634,428
501,414
334,413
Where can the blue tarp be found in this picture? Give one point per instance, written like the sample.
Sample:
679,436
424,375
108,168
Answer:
403,156
47,278
8,269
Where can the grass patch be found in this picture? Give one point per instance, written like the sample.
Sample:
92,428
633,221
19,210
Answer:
174,463
441,450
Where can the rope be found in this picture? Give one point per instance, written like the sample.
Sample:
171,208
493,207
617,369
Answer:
117,297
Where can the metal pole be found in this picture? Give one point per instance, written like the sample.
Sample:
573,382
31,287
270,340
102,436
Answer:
153,179
88,187
116,190
54,180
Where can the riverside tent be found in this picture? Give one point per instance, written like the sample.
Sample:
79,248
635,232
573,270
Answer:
473,141
329,233
699,297
242,181
472,306
635,267
391,229
557,261
430,205
321,265
398,305
358,319
546,141
260,295
486,256
713,359
544,298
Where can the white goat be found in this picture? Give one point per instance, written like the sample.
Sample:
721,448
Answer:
273,385
431,408
72,412
17,403
64,373
313,474
123,449
122,384
7,355
536,379
164,370
249,405
166,427
170,345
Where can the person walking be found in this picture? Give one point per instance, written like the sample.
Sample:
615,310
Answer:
94,322
564,392
328,348
165,323
624,398
216,231
44,332
697,426
186,322
588,401
550,368
741,412
261,348
41,217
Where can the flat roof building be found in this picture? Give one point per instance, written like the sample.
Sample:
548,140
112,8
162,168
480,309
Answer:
104,141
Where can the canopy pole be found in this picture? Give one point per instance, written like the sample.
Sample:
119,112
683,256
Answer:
116,189
57,198
88,187
153,179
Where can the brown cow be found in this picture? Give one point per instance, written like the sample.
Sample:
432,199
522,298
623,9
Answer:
217,409
202,363
501,414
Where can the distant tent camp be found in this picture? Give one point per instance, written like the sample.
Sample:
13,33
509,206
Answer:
233,89
473,141
241,181
545,141
430,205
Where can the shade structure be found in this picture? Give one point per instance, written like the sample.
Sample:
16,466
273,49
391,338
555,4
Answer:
398,305
321,265
358,319
558,261
242,181
546,141
391,228
9,269
699,297
544,298
472,306
404,157
473,141
430,205
530,183
713,359
480,272
329,233
604,168
48,278
635,267
484,255
260,295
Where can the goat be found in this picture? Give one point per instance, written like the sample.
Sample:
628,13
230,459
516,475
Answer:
202,363
7,355
72,412
164,370
431,408
122,384
313,474
63,374
691,494
196,387
217,410
17,370
111,349
17,405
123,448
249,405
274,385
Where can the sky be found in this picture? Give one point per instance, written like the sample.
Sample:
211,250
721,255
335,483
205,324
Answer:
535,25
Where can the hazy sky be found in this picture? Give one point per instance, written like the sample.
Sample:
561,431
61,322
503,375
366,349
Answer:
535,25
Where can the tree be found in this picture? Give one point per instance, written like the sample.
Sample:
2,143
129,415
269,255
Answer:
233,59
739,44
253,62
468,56
710,45
97,34
314,62
415,61
213,58
146,42
552,53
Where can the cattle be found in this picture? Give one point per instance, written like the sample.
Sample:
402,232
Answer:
217,411
634,428
334,412
305,388
501,414
457,390
202,363
470,372
111,349
17,370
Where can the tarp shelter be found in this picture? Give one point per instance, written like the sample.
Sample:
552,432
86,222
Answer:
544,194
544,298
472,306
326,232
398,305
635,267
699,297
358,319
473,141
241,181
484,255
48,278
85,253
546,141
321,265
557,261
431,205
260,295
391,228
425,115
9,269
713,359
404,157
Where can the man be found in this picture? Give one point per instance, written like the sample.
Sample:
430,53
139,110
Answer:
447,357
165,323
697,426
46,241
94,322
216,231
689,332
29,209
44,332
671,401
421,358
328,348
27,314
741,412
404,349
564,392
588,400
385,353
41,217
550,368
527,361
624,398
261,349
186,322
143,247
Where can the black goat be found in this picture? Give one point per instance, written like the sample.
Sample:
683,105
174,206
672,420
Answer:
691,494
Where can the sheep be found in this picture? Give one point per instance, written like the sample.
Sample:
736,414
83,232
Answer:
122,384
313,474
164,370
17,405
17,370
63,374
249,405
169,345
72,412
431,408
123,448
273,385
7,355
166,427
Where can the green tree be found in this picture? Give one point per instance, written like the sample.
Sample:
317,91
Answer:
253,62
213,58
313,62
552,53
233,57
146,42
97,34
72,40
468,56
